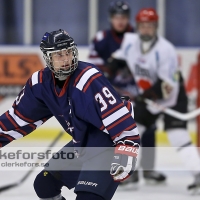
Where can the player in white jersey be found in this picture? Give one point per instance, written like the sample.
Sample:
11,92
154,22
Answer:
152,61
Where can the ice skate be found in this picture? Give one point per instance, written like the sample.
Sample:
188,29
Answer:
154,177
194,188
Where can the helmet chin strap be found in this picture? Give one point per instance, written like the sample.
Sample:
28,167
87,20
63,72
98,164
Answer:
62,78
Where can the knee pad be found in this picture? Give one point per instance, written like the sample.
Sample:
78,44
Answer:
47,187
88,196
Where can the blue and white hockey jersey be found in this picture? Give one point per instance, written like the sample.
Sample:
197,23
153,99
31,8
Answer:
103,45
87,107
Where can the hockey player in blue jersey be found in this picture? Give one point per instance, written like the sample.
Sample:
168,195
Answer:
89,109
103,45
108,41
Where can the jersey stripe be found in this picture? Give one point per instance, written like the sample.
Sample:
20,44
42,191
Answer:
45,119
38,123
122,134
130,108
90,81
129,105
102,127
41,74
100,35
34,78
112,110
105,131
24,133
33,126
129,128
83,80
11,120
133,138
64,88
79,76
30,82
2,126
22,117
115,116
13,134
19,121
118,121
7,136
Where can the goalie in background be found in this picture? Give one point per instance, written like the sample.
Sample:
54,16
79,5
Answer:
103,45
152,61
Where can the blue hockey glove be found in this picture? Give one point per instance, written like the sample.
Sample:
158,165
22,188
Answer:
124,160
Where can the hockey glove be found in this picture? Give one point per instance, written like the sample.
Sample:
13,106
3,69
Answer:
124,160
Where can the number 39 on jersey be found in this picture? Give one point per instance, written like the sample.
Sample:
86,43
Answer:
104,97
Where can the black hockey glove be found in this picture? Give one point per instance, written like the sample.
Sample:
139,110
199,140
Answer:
160,90
124,160
125,98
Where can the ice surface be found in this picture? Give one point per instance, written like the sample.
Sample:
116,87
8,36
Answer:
174,189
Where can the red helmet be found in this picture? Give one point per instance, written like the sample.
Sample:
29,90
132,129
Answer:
147,15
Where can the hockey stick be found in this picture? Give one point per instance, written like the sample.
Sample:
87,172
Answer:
174,113
7,187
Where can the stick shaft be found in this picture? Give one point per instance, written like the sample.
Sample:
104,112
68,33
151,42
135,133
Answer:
174,113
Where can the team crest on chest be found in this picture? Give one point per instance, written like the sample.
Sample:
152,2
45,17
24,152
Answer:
142,71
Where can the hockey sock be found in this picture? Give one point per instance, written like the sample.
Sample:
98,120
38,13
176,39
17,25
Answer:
141,130
148,148
47,187
88,196
180,139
